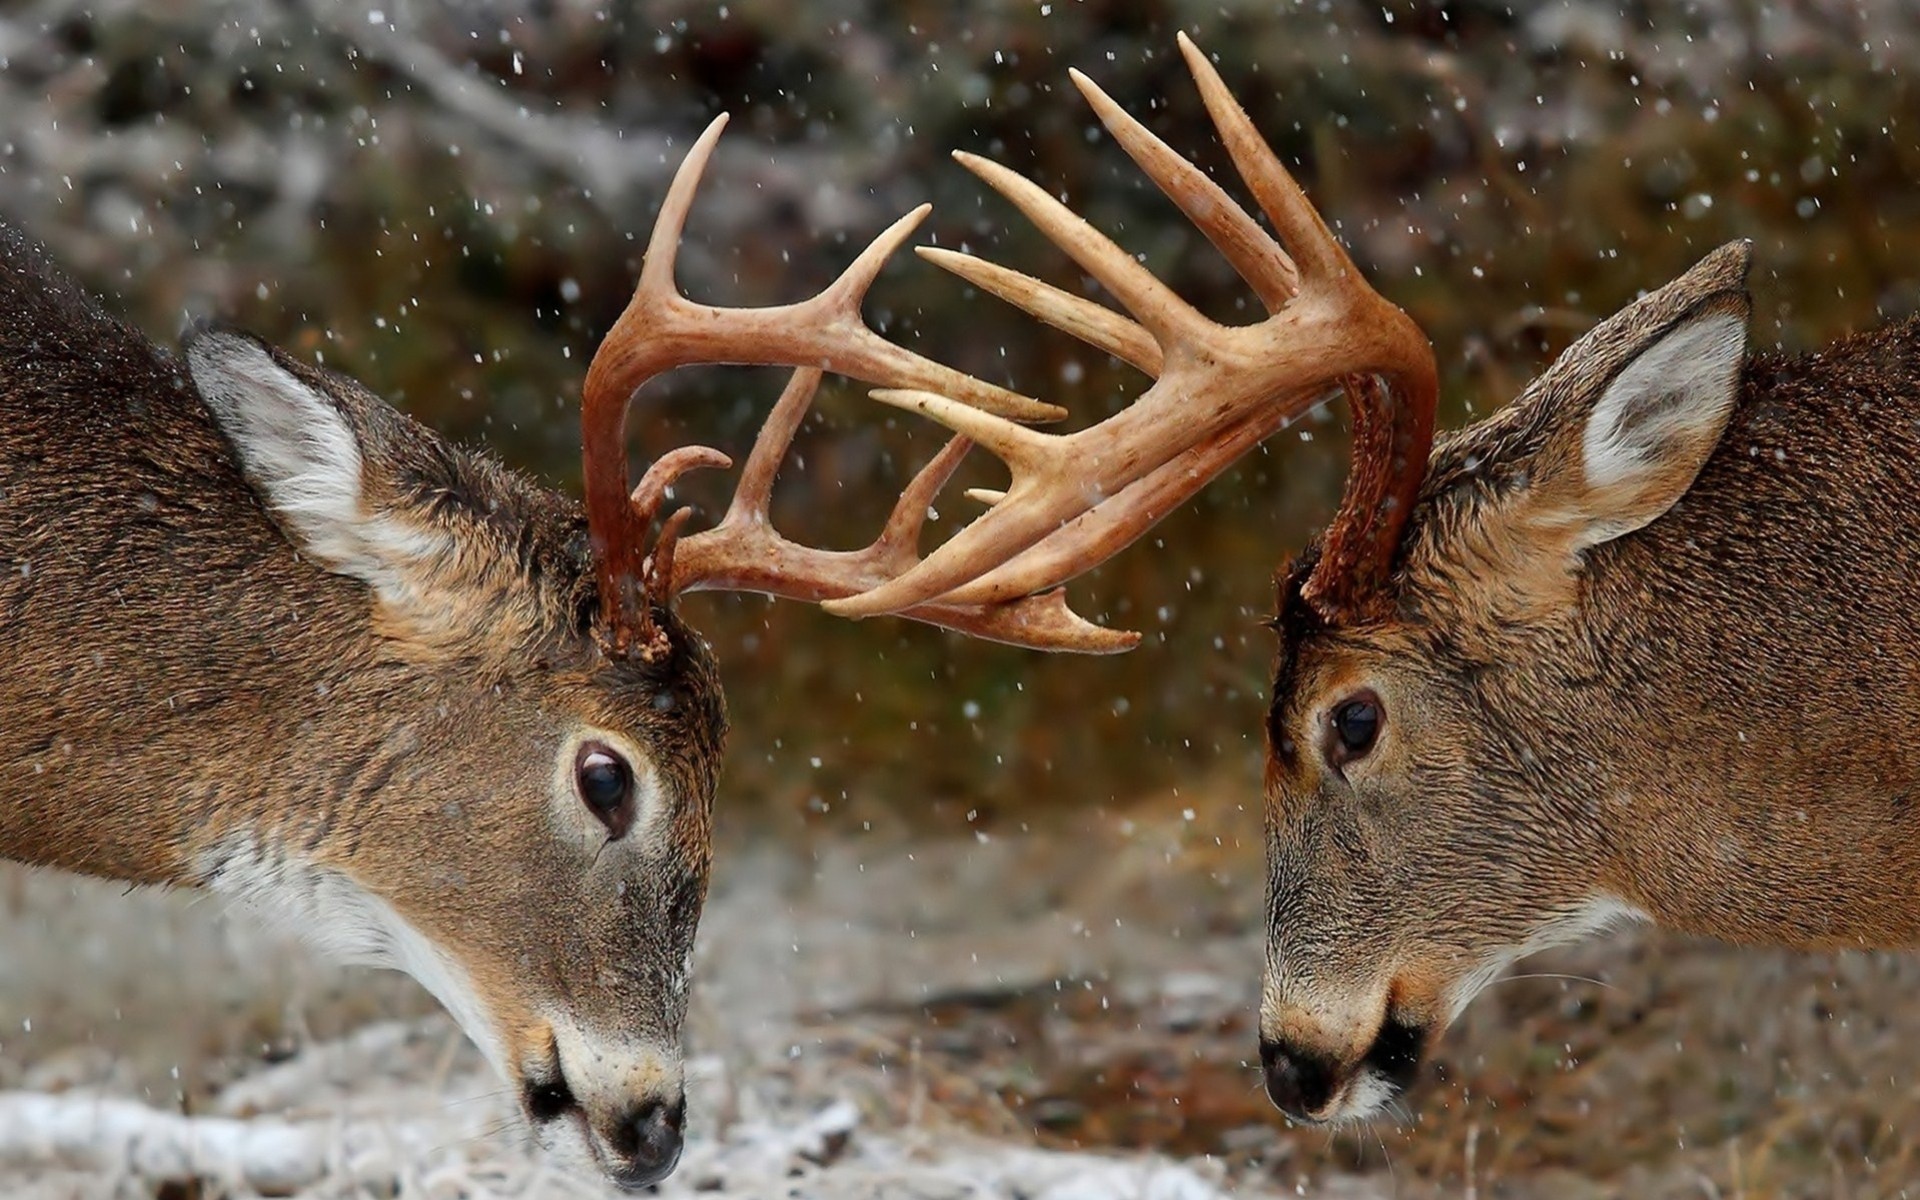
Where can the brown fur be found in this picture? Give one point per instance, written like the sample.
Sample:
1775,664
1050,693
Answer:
1703,719
179,681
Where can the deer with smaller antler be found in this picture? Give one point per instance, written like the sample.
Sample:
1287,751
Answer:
269,637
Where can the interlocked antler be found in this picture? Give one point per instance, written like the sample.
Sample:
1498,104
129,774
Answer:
1076,498
660,330
1218,390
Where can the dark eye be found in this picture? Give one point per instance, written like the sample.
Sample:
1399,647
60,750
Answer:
1356,723
605,783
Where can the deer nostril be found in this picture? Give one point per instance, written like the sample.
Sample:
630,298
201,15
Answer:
1299,1084
649,1139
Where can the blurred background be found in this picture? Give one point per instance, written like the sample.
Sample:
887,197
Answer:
448,201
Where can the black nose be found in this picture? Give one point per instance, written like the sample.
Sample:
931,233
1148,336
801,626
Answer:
1299,1084
648,1139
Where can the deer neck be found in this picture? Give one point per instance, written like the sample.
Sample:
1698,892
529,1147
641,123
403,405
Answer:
147,788
153,707
1759,686
1816,868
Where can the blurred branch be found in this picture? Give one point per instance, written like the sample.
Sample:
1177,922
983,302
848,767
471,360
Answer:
612,167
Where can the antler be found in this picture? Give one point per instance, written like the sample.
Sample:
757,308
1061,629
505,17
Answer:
1077,498
660,330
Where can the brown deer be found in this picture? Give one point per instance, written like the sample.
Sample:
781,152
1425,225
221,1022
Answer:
269,637
1638,647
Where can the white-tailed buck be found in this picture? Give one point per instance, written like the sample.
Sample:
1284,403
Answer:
1644,645
267,636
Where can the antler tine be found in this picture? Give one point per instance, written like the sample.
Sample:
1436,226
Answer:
1076,499
1254,254
1022,449
1095,324
850,288
1171,320
901,535
663,244
1314,250
753,495
666,471
660,564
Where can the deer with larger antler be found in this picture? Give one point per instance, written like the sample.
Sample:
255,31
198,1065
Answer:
1642,646
443,719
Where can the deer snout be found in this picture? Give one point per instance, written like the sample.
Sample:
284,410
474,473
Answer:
1314,1084
617,1102
646,1141
1300,1082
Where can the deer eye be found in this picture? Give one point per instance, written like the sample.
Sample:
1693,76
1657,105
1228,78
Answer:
1355,725
605,783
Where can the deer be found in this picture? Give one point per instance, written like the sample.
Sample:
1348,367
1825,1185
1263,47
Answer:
270,638
1622,652
1629,650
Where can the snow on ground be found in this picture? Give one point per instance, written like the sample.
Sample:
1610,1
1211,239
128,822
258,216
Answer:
126,1009
405,1107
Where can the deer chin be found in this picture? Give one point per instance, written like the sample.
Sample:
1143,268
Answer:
338,918
1365,1097
570,1144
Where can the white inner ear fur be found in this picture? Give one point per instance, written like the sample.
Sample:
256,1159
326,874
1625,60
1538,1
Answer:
305,459
1671,401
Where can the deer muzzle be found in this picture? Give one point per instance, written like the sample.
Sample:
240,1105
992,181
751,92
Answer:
1314,1087
618,1103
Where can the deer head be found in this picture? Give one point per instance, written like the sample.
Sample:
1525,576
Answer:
1441,758
476,792
1619,652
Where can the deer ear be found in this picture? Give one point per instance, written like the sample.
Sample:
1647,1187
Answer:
1618,428
304,445
1656,422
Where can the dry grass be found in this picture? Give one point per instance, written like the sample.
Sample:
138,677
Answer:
1644,1066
